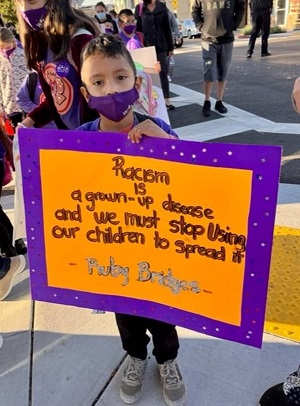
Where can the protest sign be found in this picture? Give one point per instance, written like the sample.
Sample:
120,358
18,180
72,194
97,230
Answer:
173,230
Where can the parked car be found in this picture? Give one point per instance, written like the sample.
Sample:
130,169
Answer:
189,29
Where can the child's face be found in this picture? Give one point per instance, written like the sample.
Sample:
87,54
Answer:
126,20
103,76
7,46
107,24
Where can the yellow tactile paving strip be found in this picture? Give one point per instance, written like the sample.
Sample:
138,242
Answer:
283,304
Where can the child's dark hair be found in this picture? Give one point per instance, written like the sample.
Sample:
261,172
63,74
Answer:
108,45
126,12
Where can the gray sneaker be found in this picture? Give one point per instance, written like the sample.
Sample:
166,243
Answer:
1,341
173,386
17,265
131,384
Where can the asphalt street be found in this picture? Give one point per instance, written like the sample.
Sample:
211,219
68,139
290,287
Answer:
260,86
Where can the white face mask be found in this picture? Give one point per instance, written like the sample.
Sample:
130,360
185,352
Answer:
101,15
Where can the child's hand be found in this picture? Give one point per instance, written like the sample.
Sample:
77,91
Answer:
157,67
148,128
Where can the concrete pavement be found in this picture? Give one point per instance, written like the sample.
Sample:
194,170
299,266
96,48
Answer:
58,355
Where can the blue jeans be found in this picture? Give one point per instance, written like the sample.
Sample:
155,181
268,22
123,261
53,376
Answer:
4,266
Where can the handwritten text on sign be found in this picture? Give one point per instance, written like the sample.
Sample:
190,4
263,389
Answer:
140,228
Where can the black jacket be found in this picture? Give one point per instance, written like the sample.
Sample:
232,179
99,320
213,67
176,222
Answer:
217,19
155,26
258,6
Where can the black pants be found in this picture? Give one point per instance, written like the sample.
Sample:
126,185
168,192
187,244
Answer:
135,340
162,57
6,228
260,22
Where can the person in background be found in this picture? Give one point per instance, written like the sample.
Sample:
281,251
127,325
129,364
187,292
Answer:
261,20
30,95
114,16
12,264
102,16
173,23
286,393
12,73
53,35
107,58
127,30
13,29
217,26
153,21
7,248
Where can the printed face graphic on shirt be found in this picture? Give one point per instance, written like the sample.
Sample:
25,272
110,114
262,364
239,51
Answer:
61,89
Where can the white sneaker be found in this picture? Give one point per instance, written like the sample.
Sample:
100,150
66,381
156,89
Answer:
173,386
1,341
17,265
132,382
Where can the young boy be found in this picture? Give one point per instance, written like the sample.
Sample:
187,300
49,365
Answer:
128,34
110,86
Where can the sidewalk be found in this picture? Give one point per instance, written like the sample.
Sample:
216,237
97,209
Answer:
57,355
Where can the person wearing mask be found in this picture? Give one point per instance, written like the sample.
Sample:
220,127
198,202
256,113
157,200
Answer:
114,16
153,21
53,35
12,73
103,16
261,20
107,58
217,25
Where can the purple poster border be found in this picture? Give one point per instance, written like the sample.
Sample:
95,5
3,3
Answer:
263,161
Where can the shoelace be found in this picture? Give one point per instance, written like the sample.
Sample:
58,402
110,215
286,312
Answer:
293,381
134,370
170,373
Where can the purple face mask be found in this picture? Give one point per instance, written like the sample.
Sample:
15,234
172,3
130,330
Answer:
109,30
35,18
114,106
129,29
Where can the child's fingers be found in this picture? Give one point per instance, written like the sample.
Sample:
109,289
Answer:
135,136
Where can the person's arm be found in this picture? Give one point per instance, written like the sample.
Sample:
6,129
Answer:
155,127
23,97
239,10
167,31
173,24
197,14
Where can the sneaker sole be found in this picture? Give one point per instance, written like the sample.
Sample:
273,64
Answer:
180,402
130,400
18,271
